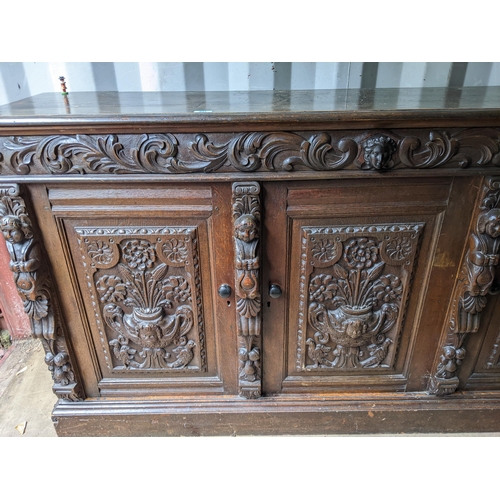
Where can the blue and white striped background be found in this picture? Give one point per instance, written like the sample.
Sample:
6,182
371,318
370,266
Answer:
20,80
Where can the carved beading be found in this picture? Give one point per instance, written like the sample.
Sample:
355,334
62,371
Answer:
246,222
353,295
473,285
34,285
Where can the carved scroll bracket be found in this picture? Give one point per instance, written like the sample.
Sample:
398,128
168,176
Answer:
34,285
474,284
246,223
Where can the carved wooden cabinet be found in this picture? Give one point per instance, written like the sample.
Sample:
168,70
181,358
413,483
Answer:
260,263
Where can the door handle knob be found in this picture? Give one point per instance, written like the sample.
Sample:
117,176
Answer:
275,291
225,291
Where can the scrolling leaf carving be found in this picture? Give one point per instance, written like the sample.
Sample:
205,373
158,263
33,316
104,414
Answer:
248,152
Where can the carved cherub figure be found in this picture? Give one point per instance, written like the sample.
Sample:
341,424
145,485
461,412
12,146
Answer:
247,260
247,266
24,254
489,223
245,228
378,151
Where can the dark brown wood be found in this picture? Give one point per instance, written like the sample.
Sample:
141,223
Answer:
140,112
474,283
355,235
247,286
273,416
279,151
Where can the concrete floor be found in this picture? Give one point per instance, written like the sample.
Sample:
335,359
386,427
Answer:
26,397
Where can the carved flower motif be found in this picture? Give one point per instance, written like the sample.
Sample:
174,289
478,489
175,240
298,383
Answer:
361,253
111,288
323,250
388,289
175,251
399,248
100,252
176,289
139,254
322,288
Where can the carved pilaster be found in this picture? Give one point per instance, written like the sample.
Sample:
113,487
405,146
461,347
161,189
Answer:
246,221
34,284
474,283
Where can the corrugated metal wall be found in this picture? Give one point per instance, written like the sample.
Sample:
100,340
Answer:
20,80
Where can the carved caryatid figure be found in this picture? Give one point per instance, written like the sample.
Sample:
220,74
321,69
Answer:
247,265
378,152
33,283
25,264
482,258
248,305
474,283
484,252
246,217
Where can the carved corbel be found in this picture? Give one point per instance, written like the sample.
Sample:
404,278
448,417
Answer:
246,223
34,285
474,284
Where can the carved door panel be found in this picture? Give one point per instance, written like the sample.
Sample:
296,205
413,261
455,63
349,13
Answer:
144,267
365,263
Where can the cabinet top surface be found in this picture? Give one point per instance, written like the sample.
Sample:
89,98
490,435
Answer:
253,107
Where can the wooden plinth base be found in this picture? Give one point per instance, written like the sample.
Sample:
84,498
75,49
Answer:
280,416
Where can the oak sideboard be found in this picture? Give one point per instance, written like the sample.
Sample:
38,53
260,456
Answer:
288,262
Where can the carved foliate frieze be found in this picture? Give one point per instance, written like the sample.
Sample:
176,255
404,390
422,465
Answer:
246,224
354,286
248,152
145,289
34,285
474,283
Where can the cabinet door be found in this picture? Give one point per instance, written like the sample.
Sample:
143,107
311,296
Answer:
367,268
143,262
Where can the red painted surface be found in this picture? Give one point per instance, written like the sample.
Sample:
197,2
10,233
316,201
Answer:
12,306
